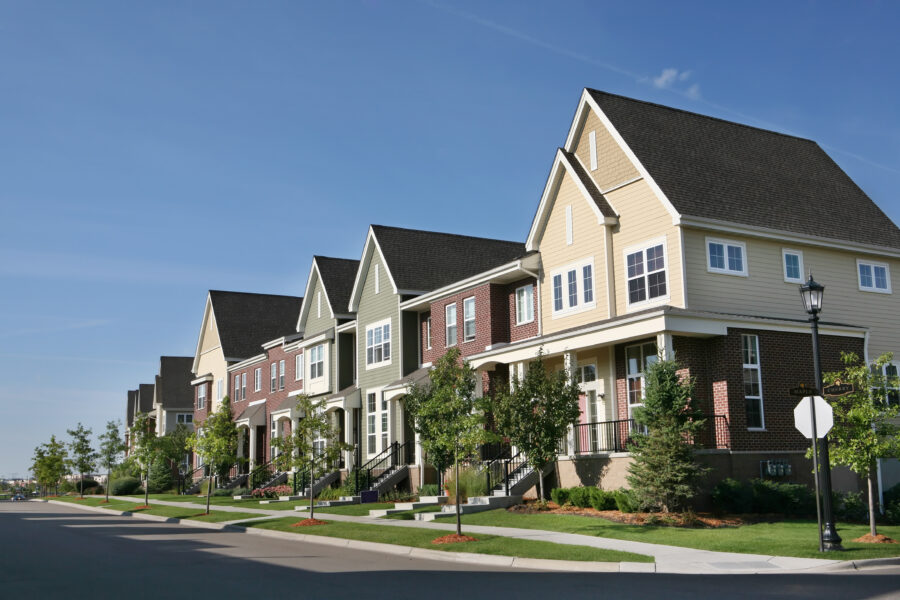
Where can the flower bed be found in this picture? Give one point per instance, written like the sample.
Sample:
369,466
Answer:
272,491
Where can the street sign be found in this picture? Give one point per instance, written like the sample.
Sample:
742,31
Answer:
803,418
803,390
838,389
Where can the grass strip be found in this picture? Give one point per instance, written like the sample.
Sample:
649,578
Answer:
223,501
785,538
421,538
409,515
176,512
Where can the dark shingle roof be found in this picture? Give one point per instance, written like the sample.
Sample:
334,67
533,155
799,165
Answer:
338,275
174,388
129,410
426,260
246,321
145,398
598,198
708,167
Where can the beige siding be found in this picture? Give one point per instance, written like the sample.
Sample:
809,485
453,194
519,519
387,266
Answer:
587,242
613,166
764,291
209,337
642,218
213,362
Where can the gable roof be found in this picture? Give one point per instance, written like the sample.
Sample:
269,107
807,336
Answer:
129,409
593,191
426,260
337,276
173,384
245,321
725,171
144,402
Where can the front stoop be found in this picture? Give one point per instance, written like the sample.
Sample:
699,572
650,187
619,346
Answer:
344,501
407,506
476,504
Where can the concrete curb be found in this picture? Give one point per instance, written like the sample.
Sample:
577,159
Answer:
858,565
542,564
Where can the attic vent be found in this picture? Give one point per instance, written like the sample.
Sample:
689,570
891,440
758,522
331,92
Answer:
592,137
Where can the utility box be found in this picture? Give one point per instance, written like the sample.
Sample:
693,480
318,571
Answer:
368,496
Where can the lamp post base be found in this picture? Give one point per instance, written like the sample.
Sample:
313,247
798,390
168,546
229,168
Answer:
830,539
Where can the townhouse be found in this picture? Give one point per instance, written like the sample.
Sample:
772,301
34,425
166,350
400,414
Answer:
173,401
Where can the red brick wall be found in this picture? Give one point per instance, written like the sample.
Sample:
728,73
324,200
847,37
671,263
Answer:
526,330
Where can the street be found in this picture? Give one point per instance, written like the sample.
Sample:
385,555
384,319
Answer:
52,551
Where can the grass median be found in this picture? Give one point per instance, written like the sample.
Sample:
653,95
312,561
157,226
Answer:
223,501
421,538
176,512
352,510
784,538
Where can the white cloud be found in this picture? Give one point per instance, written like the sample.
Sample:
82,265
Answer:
669,77
665,79
693,92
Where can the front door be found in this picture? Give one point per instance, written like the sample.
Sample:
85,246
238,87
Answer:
261,444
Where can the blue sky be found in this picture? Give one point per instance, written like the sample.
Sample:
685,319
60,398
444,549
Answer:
151,152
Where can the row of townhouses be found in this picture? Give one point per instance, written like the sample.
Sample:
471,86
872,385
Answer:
659,232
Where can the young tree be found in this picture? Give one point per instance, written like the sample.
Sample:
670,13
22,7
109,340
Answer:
664,473
112,445
447,416
313,445
216,442
84,457
50,463
144,448
536,412
863,429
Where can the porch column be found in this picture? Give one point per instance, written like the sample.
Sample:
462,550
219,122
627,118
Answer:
570,363
348,433
420,460
252,447
664,346
240,448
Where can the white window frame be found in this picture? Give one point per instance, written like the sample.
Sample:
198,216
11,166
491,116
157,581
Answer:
888,388
744,272
565,288
784,255
220,389
872,264
273,377
317,362
448,325
592,145
377,279
184,419
281,374
257,379
371,433
645,356
298,367
642,248
470,301
428,333
244,385
757,367
527,292
319,305
201,396
381,327
237,388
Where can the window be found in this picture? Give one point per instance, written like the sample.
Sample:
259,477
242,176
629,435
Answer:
370,422
201,396
257,379
298,367
469,319
378,343
569,239
646,274
281,375
753,400
874,277
525,304
793,266
220,389
237,388
592,139
243,386
637,359
273,377
384,423
317,361
587,373
450,312
428,332
184,418
891,384
578,293
726,257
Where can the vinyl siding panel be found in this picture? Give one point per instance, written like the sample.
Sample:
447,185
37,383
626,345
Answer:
314,324
213,362
764,291
642,218
210,337
613,166
587,242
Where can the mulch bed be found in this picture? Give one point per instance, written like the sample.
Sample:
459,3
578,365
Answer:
693,520
141,507
307,522
452,539
875,539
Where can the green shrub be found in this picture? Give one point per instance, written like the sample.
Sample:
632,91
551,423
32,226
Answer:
331,493
732,496
892,512
626,501
96,490
799,500
66,486
560,495
160,478
86,484
580,496
472,482
850,506
240,491
603,499
124,486
220,492
892,495
429,489
767,498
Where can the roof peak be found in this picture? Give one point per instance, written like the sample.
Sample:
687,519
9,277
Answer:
457,235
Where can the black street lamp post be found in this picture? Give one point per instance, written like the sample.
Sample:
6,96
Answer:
811,294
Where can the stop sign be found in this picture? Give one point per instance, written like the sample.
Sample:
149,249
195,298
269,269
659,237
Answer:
803,418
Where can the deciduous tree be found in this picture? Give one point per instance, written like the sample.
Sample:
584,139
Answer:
112,446
84,457
215,441
144,448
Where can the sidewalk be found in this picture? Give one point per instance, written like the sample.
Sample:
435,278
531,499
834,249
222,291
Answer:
669,559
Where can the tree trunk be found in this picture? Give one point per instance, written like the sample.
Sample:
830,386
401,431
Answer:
108,482
147,488
209,486
458,512
540,476
312,508
81,485
872,528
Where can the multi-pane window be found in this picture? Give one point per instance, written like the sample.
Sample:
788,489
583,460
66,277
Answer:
428,332
891,384
257,379
201,396
573,288
572,285
587,277
281,375
646,273
753,400
243,386
184,418
378,343
637,359
273,377
557,293
298,367
371,434
450,313
220,389
317,361
468,319
384,423
237,388
793,266
525,304
874,277
726,257
587,374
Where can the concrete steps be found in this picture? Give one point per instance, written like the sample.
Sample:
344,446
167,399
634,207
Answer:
476,504
405,506
345,500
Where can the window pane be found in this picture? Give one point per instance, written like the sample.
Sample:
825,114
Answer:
754,413
791,266
656,284
573,288
735,258
655,260
635,264
588,283
557,292
588,373
651,355
634,390
865,276
880,278
716,255
633,359
637,290
751,382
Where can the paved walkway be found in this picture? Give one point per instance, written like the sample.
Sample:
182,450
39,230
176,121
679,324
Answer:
669,559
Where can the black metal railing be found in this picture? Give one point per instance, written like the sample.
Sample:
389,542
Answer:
260,475
190,479
390,458
615,436
495,469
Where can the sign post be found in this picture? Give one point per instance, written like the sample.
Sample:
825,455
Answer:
813,434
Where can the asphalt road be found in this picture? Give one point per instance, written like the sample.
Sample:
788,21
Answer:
51,551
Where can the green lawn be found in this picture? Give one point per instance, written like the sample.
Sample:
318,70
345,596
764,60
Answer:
177,512
223,501
786,538
353,510
407,515
421,538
